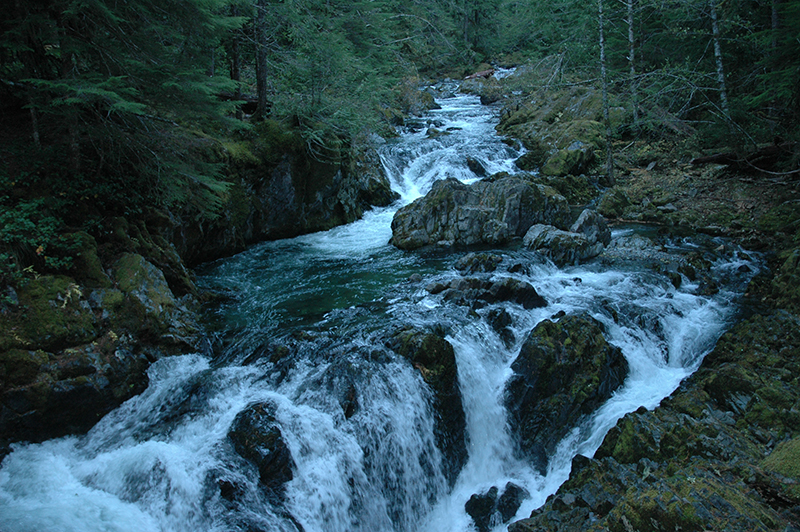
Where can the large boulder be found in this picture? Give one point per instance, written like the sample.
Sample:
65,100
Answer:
565,370
562,247
593,226
492,211
71,353
434,357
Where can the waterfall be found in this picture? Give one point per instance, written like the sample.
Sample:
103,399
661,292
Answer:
305,336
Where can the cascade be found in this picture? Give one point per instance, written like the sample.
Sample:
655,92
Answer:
305,350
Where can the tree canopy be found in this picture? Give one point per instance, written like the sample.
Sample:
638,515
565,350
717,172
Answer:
110,106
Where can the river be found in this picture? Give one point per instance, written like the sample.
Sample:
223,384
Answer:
300,325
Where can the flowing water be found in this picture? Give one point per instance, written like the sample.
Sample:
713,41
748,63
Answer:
305,326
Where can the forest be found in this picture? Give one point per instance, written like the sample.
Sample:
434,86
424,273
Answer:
108,107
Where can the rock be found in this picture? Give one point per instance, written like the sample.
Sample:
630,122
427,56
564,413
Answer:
478,262
488,212
564,371
482,509
786,290
256,437
488,510
574,159
562,247
613,203
435,133
86,265
434,357
593,226
501,322
149,300
706,458
70,354
468,291
55,315
476,166
287,194
45,395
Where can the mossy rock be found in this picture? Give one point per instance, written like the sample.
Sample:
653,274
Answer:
53,315
87,267
785,461
19,367
786,286
613,203
574,159
564,371
435,359
149,302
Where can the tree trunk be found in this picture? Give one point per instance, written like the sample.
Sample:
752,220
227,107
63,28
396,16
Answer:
37,139
236,63
776,23
604,77
632,63
261,59
723,92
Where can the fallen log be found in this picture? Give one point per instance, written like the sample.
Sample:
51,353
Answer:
764,159
482,74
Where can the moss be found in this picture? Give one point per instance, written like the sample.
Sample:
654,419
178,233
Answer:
52,316
785,461
784,218
19,367
613,203
786,286
86,264
241,153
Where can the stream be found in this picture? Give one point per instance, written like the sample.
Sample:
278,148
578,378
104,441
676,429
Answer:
301,329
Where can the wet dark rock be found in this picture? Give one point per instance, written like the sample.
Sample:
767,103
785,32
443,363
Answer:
482,508
487,212
290,194
476,166
471,291
501,322
435,359
256,437
489,510
564,371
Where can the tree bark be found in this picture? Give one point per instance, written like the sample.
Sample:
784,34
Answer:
236,62
604,77
261,60
632,63
723,91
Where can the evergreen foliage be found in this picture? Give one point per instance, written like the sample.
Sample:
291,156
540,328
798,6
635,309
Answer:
108,108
